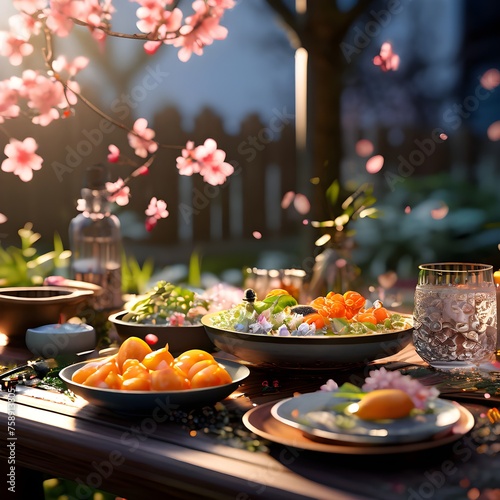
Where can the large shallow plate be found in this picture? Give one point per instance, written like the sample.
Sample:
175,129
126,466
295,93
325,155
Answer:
315,414
311,352
145,402
260,421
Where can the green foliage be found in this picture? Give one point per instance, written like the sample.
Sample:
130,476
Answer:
430,219
194,275
135,279
25,266
346,207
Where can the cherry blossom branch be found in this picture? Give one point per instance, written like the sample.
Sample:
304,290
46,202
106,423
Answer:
50,97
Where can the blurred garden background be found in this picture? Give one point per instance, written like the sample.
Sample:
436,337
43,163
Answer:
299,96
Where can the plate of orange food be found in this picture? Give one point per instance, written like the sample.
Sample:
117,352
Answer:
140,380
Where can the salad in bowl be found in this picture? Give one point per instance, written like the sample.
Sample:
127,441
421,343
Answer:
335,314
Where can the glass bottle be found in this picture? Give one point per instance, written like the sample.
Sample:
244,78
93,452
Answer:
95,242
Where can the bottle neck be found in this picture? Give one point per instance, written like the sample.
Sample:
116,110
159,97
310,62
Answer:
96,202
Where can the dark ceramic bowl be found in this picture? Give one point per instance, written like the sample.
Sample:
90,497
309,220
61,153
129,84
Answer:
308,352
22,308
178,338
146,402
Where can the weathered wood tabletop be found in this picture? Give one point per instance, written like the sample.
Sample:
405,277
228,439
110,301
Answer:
209,453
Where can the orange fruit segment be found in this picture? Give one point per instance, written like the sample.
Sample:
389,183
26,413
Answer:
137,384
188,358
159,359
169,379
385,404
98,378
132,348
200,365
211,376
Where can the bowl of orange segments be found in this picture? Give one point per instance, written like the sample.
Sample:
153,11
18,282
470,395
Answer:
140,380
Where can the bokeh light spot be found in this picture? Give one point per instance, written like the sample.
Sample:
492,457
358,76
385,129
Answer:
364,148
494,131
490,79
374,164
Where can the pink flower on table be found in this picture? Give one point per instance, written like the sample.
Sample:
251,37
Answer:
8,101
329,386
118,192
176,319
157,209
141,139
384,379
387,59
14,48
21,158
114,154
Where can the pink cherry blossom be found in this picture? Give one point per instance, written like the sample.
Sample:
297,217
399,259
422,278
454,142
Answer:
61,14
24,25
29,6
200,30
387,59
14,48
118,192
8,101
213,168
114,154
71,68
187,163
157,209
21,158
45,97
141,139
206,160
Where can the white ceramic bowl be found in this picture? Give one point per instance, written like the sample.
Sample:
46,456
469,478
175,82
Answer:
51,341
312,352
145,402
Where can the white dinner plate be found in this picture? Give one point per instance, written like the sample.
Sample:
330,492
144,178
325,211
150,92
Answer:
317,414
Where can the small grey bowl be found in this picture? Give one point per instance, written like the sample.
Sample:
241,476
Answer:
62,339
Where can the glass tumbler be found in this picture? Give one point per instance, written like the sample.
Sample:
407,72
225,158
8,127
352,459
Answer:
455,314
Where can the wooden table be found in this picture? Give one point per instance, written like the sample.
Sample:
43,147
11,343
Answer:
153,458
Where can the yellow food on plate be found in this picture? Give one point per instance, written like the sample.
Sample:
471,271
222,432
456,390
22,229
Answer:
137,368
383,404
